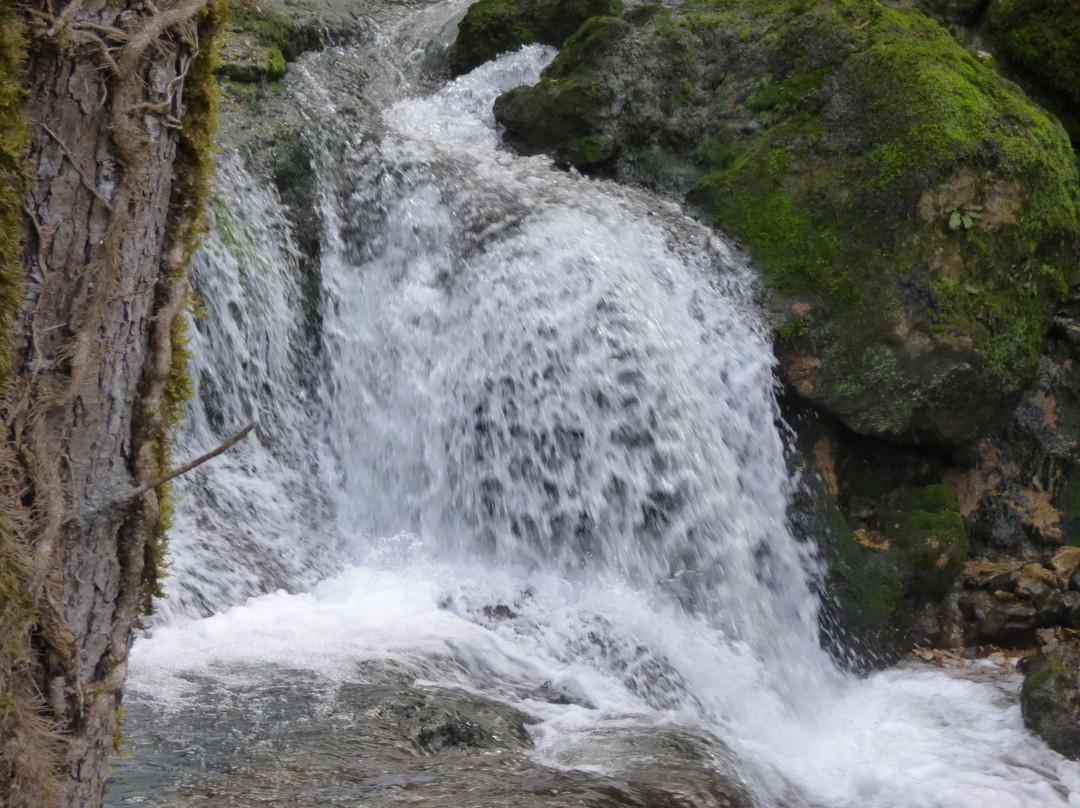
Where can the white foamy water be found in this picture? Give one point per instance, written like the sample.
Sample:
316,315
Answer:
255,519
547,438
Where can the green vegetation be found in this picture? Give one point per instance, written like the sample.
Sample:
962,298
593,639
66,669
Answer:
1048,697
13,134
928,543
866,583
920,548
963,216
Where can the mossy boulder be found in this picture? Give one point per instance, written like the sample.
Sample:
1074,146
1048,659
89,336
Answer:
891,544
914,214
259,40
866,584
491,27
1050,698
1041,40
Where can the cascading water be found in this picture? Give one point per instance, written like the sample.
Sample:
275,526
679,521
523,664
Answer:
541,447
255,520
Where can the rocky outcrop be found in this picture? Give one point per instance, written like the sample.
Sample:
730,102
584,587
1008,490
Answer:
893,538
1049,699
258,120
1016,492
260,39
1018,605
914,214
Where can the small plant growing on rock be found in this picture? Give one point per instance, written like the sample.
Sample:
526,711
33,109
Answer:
963,216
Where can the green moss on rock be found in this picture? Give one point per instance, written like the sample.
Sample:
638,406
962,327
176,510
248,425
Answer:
1050,698
835,138
916,555
928,542
865,582
257,43
491,27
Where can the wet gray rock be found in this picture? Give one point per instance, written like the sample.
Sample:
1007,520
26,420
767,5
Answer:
435,720
1050,698
1074,580
1005,582
1071,605
305,743
1010,626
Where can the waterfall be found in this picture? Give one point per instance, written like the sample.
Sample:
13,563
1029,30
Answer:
255,520
535,455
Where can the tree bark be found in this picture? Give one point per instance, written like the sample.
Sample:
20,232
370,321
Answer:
90,359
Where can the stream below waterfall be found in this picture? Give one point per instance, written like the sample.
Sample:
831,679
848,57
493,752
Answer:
523,492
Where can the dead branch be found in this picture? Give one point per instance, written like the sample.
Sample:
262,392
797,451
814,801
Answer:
184,469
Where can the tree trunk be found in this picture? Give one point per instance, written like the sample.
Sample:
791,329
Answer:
91,357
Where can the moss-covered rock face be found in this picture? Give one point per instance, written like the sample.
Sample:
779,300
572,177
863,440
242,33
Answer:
926,538
1041,39
882,578
914,214
1049,699
261,38
491,27
892,540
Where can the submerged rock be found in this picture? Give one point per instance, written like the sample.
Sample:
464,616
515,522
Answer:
913,212
385,745
1050,698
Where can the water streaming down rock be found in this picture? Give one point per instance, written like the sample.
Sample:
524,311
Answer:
552,372
549,446
255,520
